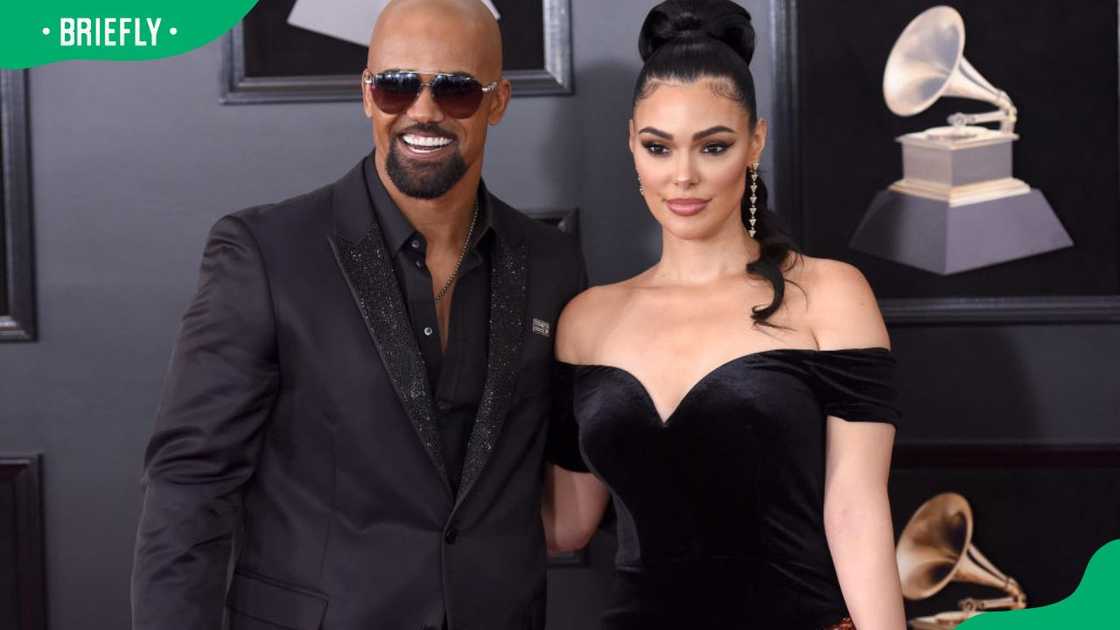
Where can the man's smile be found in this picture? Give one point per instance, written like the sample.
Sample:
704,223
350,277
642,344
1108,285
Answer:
425,144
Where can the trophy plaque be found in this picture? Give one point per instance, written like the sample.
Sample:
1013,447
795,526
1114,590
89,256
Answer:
957,207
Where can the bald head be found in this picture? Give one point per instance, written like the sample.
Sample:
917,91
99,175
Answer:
433,150
437,35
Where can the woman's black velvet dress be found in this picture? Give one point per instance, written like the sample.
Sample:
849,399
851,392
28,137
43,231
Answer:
720,507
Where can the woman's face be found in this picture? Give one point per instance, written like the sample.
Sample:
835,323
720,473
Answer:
692,148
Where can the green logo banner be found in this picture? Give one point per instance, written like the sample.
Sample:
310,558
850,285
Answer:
45,31
1092,604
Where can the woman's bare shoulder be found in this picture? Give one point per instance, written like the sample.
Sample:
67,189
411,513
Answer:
842,311
585,319
824,273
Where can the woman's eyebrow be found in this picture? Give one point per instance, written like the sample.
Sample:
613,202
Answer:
657,132
696,136
711,130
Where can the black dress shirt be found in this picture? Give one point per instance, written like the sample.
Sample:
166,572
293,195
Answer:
457,377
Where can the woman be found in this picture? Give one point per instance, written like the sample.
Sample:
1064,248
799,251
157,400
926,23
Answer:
743,430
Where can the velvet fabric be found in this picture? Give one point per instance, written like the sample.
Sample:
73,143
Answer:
720,508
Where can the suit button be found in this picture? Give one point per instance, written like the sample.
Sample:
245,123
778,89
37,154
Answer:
451,535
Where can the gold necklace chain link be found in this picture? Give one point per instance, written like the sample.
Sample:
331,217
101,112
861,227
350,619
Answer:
462,255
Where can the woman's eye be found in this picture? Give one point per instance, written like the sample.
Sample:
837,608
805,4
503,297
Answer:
655,148
715,148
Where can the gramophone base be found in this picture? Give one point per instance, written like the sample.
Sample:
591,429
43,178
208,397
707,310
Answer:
934,236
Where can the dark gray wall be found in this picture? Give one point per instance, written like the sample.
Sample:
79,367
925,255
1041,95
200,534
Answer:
132,162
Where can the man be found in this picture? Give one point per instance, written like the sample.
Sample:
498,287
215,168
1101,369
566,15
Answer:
361,386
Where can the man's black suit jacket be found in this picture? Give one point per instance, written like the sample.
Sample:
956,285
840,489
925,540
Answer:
297,419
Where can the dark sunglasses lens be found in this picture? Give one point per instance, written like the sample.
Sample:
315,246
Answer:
393,92
457,96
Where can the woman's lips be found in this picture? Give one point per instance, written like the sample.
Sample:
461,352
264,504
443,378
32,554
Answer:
686,207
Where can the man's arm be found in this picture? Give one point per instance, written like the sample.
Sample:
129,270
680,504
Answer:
218,394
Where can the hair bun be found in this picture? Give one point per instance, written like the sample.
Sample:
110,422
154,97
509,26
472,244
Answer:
689,20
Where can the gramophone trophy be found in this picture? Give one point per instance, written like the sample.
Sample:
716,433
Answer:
936,548
957,206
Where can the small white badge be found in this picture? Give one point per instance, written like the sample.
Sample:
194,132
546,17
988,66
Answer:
541,327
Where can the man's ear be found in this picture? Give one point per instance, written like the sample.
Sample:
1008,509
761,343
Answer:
367,101
500,102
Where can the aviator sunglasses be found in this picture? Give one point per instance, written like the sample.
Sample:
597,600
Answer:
458,95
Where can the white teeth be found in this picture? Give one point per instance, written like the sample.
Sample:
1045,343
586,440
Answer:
426,141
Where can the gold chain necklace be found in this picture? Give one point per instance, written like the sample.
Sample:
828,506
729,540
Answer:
462,255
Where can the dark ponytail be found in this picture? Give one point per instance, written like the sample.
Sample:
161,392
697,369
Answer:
686,40
775,247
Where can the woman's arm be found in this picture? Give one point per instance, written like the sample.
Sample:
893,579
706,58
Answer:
857,522
573,505
857,515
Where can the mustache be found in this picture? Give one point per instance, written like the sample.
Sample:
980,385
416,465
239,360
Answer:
431,129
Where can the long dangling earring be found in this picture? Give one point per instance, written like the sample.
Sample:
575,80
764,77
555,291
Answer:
754,197
641,187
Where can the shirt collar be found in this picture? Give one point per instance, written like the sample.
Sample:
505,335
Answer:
397,228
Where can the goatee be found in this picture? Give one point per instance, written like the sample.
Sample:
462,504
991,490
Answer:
424,179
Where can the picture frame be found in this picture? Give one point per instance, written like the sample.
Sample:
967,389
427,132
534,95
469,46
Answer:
22,560
1026,517
835,148
17,309
266,60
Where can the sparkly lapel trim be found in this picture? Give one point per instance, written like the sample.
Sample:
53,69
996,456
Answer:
369,272
509,270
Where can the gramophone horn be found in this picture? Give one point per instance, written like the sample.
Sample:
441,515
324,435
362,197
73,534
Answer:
927,63
936,548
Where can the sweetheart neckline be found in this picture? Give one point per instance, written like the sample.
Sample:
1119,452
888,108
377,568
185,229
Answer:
665,421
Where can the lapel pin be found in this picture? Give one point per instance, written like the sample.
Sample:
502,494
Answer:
541,327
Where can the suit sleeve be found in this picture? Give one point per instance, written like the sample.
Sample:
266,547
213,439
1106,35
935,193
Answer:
563,431
217,397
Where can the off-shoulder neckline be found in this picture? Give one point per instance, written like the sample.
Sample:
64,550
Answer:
665,421
868,349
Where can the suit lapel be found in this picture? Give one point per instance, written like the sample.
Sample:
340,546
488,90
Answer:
368,270
359,248
509,272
